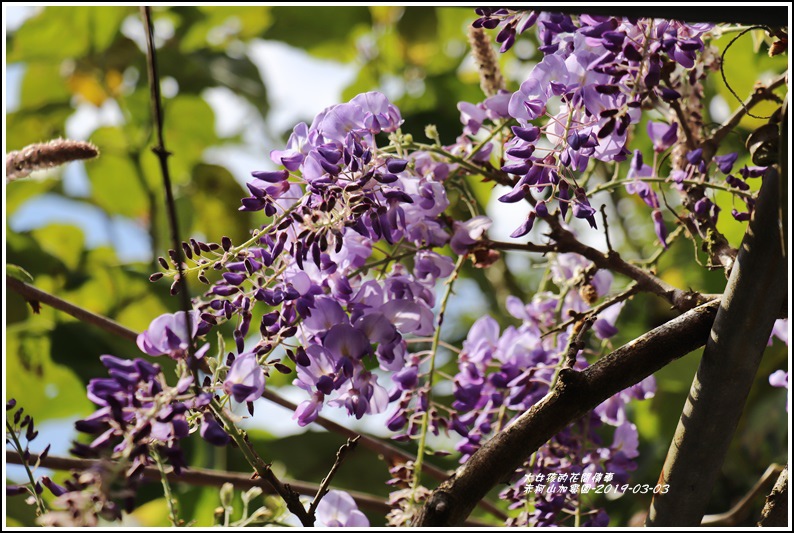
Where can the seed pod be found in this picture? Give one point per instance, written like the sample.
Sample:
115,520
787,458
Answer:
588,293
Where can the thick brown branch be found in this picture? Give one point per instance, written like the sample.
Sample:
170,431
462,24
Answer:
750,306
575,394
775,513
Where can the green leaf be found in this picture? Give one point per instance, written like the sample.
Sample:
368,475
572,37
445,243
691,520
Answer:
189,129
115,181
223,25
45,389
104,23
63,241
20,191
43,84
52,35
326,32
25,127
215,196
17,272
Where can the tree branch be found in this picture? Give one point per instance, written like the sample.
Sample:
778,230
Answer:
775,513
760,94
162,155
750,306
567,242
741,510
33,294
575,394
322,490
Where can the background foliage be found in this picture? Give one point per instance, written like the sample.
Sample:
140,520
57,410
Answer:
82,69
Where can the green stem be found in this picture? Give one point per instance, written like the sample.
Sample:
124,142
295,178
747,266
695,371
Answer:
173,513
262,469
616,183
39,502
433,350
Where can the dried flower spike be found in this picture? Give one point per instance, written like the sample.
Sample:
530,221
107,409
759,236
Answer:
47,155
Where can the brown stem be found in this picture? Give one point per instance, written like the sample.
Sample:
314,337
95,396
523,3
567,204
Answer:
567,242
760,94
775,513
162,155
741,510
322,490
32,294
202,477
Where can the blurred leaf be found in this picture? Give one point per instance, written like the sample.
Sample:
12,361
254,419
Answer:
189,129
47,37
20,191
63,241
205,68
25,127
325,32
115,186
139,314
42,84
104,23
24,250
216,197
224,24
151,514
17,272
46,390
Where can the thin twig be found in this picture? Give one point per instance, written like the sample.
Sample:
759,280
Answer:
594,312
741,510
567,242
262,469
326,482
606,228
162,154
521,246
760,94
173,514
577,342
33,294
417,473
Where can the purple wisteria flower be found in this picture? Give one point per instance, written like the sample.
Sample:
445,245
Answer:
663,135
468,233
245,381
138,411
167,335
339,509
